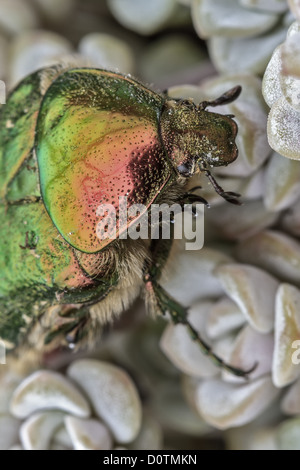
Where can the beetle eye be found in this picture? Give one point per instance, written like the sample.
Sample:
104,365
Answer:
184,169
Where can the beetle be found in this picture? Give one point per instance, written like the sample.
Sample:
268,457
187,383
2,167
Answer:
71,139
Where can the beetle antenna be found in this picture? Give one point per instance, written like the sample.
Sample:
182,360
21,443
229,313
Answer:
226,98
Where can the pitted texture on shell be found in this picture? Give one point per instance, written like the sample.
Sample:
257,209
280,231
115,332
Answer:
190,133
97,139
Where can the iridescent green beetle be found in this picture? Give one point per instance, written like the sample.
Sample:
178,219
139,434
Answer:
71,139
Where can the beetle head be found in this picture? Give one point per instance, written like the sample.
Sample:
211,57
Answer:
195,137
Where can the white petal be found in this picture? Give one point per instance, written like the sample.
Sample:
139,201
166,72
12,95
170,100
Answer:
146,17
291,219
185,58
55,10
108,52
249,348
254,292
33,50
264,439
286,356
253,187
229,19
283,129
282,183
223,348
3,60
223,317
241,222
274,251
150,436
291,402
238,168
16,16
37,431
236,54
290,86
62,438
8,383
88,434
9,431
113,395
188,275
185,353
174,413
290,54
226,405
251,437
278,6
271,86
295,7
47,390
294,27
251,121
288,435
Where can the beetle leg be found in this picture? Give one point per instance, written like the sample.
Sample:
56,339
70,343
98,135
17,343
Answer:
179,315
190,198
30,244
195,188
226,98
25,200
230,196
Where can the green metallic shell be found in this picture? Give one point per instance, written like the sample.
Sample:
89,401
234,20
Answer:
97,139
37,266
69,141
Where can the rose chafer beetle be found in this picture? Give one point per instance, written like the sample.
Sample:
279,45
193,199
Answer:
74,138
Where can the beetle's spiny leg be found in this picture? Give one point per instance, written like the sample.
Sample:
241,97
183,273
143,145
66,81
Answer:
226,98
206,349
230,196
179,315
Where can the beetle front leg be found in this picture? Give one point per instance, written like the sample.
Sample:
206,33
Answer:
179,315
190,198
229,196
